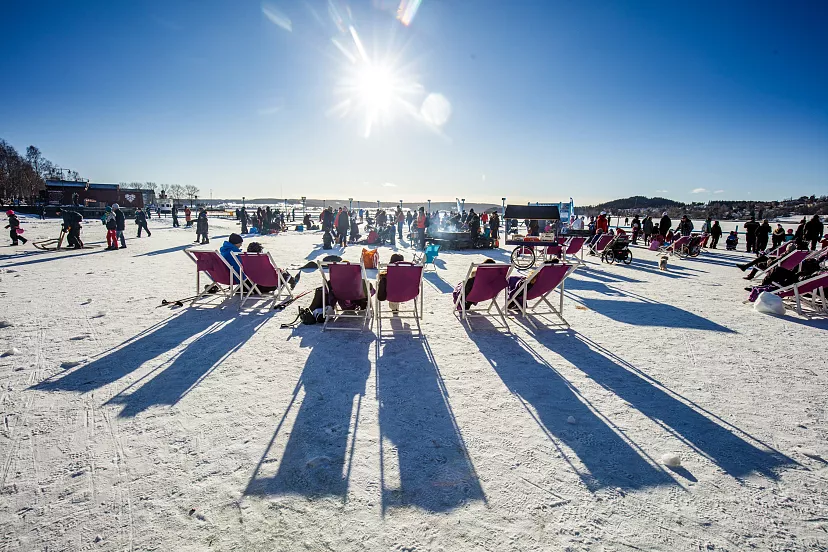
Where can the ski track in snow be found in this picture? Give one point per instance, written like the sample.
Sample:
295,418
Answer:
189,429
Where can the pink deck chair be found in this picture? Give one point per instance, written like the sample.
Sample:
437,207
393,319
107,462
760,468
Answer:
489,281
598,247
678,247
575,245
811,290
258,271
403,284
788,262
546,279
347,283
217,269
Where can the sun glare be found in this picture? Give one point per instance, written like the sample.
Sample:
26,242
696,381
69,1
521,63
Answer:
375,86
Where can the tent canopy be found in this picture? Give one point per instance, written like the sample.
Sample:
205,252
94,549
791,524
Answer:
533,212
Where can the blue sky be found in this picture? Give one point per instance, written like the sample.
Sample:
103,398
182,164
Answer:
532,100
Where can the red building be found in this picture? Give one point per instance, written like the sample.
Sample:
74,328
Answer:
88,194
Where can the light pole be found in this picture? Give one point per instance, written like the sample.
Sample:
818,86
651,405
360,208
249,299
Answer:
378,203
242,202
429,206
463,204
350,204
303,207
400,205
503,222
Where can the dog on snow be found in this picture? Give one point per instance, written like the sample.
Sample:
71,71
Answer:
662,263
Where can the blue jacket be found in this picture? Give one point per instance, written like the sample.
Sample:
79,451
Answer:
225,251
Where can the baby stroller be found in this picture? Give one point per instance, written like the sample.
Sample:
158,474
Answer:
618,250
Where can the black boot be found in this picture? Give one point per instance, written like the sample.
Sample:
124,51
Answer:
751,275
742,267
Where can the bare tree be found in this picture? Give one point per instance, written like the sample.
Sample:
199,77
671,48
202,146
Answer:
151,186
175,191
136,185
191,192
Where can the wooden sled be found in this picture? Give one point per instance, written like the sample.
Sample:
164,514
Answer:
52,244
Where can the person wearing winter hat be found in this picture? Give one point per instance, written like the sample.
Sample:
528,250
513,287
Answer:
14,228
111,229
232,245
120,224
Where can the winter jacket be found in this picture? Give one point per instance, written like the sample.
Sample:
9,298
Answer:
201,223
814,229
120,220
602,224
140,217
71,219
751,227
110,222
648,225
14,222
226,251
716,230
665,225
342,222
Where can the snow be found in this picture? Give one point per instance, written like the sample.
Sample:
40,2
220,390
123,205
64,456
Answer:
196,428
671,460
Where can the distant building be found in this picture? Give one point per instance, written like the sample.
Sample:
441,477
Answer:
90,194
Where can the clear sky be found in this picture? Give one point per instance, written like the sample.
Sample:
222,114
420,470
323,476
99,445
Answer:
532,100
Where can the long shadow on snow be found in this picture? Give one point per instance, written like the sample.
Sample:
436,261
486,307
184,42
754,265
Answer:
435,280
435,471
649,313
120,361
609,460
721,445
190,366
316,455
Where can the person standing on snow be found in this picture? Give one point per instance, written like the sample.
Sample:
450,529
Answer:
813,231
665,224
141,221
175,216
202,227
72,227
13,226
751,229
120,224
111,229
188,217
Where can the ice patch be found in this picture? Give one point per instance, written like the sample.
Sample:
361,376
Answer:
12,351
671,460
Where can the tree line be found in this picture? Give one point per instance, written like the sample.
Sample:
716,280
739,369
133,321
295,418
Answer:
23,177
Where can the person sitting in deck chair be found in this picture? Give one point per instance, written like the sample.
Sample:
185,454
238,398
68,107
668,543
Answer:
469,286
232,245
382,283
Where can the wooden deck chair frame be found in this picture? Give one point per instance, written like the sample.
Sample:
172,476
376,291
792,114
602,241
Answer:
816,299
367,317
227,291
403,314
249,287
466,313
525,309
593,248
573,257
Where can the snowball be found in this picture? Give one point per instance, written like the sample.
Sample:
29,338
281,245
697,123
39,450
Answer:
12,351
768,303
5,324
671,459
571,420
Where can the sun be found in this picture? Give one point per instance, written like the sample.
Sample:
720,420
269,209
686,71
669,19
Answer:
375,87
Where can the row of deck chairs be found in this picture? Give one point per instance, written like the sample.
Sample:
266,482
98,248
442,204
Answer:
810,292
345,287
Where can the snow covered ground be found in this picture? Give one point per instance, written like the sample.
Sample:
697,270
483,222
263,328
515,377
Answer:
131,427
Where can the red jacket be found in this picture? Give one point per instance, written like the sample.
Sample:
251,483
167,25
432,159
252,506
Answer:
602,224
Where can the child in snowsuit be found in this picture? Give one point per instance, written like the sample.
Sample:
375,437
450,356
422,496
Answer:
111,229
13,225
